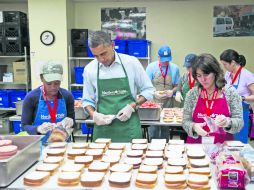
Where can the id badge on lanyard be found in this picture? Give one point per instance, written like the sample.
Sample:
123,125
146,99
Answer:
207,140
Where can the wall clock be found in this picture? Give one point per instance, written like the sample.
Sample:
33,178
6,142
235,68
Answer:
47,37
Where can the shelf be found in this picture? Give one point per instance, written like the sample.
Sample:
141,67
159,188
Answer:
76,85
13,83
81,58
15,56
7,109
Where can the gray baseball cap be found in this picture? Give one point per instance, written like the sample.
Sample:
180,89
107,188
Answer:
52,71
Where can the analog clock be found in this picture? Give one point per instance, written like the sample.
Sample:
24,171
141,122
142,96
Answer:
47,37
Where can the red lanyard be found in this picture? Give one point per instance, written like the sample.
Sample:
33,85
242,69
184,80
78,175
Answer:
236,75
209,106
191,84
164,75
52,113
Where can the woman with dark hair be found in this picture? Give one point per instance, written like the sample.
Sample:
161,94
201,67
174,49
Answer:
212,109
243,81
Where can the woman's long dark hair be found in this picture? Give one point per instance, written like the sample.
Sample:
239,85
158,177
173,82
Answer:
208,64
230,55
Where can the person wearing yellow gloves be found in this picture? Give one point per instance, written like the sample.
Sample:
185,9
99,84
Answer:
186,82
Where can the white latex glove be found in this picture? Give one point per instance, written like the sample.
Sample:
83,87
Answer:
169,93
198,127
45,127
179,97
125,113
66,123
158,95
102,119
222,121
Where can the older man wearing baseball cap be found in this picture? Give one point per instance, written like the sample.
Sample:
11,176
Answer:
165,77
48,106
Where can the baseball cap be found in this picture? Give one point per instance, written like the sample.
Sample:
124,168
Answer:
189,60
165,54
52,71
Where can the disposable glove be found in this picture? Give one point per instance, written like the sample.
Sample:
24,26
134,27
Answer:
169,93
222,121
125,113
45,127
198,127
179,97
101,119
160,95
66,123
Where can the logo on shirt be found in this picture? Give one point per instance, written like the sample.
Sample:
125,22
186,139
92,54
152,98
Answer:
202,115
113,93
58,116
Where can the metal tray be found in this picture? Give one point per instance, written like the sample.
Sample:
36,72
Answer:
28,153
149,114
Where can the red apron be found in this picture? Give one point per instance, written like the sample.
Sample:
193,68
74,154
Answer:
220,107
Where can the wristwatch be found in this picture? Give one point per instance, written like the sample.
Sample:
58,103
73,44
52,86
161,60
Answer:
243,98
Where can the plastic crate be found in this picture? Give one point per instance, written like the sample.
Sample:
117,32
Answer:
79,51
79,36
77,94
79,74
138,48
14,32
14,47
120,46
16,95
2,49
16,125
14,17
4,99
1,31
85,129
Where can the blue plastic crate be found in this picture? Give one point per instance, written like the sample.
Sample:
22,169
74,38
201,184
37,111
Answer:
77,94
16,95
138,48
4,99
79,74
120,46
84,129
16,126
89,52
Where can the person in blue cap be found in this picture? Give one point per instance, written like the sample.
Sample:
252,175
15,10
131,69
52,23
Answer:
48,106
186,82
165,77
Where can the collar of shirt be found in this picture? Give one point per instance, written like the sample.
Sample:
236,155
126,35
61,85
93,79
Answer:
117,61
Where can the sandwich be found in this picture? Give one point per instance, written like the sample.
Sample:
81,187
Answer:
121,167
154,154
58,145
177,162
52,168
202,171
97,145
148,169
72,153
103,140
193,154
142,147
176,142
36,178
135,153
98,166
174,170
173,154
116,146
96,153
56,152
139,141
178,148
54,160
92,179
146,180
113,153
154,162
196,181
234,143
135,162
175,181
71,167
85,160
80,145
119,179
199,163
111,159
7,151
68,178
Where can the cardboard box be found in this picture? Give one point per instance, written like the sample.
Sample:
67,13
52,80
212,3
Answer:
20,71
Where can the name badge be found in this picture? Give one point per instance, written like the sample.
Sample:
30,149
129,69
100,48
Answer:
208,140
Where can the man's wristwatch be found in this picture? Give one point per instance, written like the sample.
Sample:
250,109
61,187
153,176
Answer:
243,98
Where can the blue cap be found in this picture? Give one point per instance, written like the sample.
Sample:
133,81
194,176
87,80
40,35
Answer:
189,60
165,54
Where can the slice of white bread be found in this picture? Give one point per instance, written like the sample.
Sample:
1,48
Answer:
176,186
121,167
53,160
96,153
71,167
146,180
103,140
234,143
203,171
159,141
68,178
178,148
139,147
154,154
199,163
139,141
36,178
156,146
116,146
176,142
92,179
86,160
98,166
111,159
135,162
173,154
134,153
148,169
58,145
175,178
56,152
80,145
196,179
153,162
97,145
177,162
195,154
119,179
174,170
72,153
52,168
113,152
